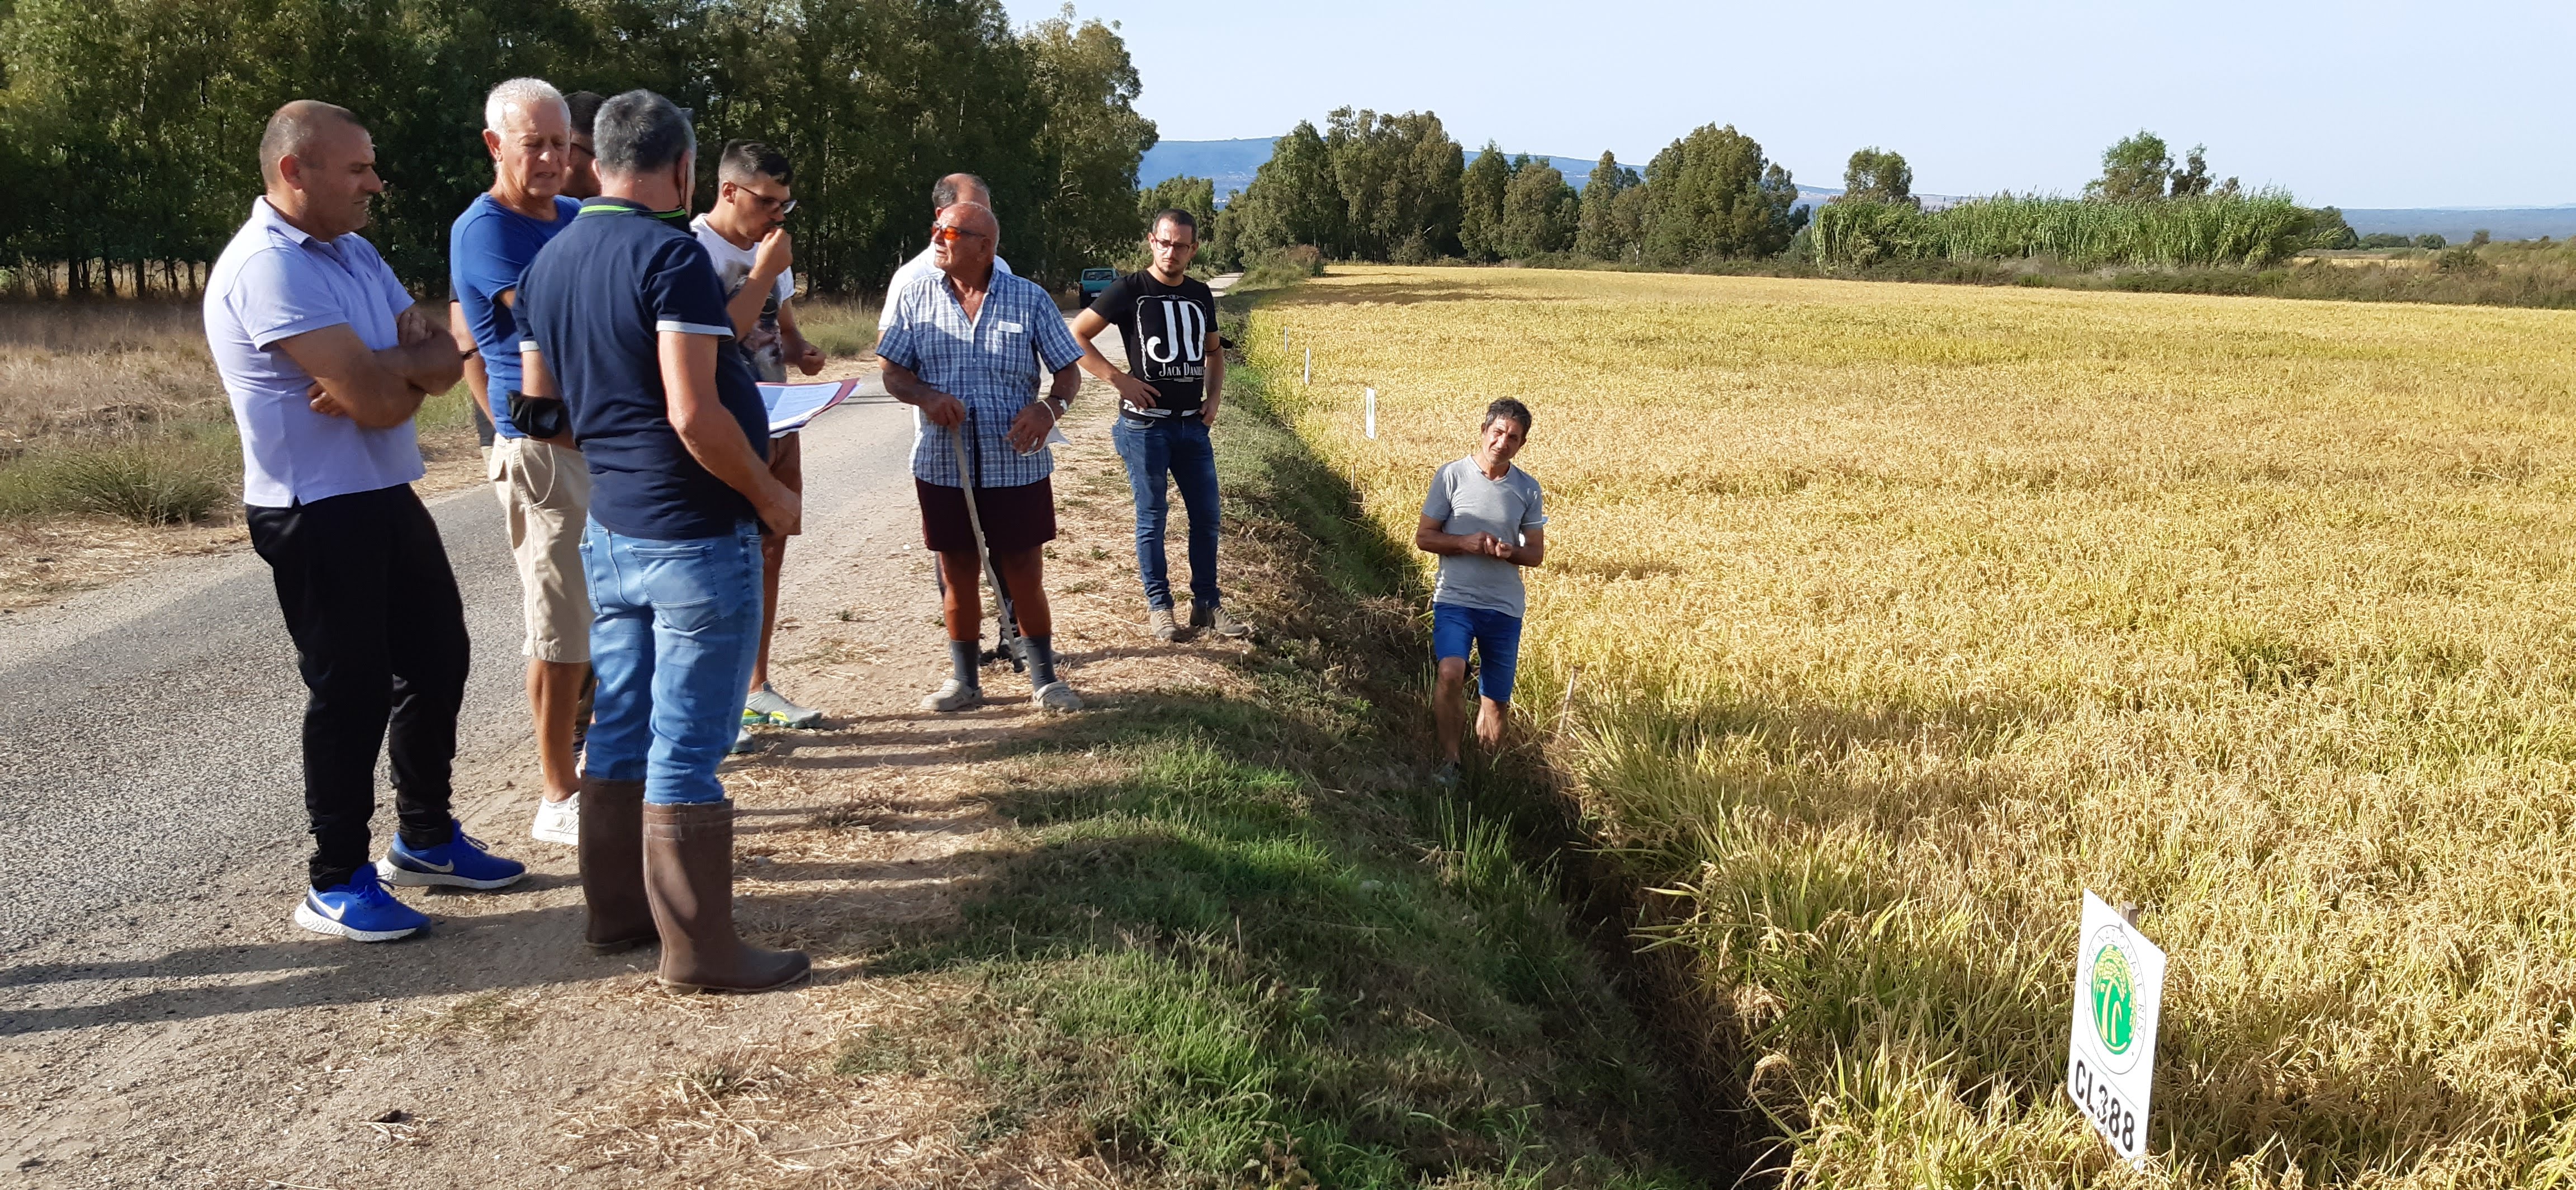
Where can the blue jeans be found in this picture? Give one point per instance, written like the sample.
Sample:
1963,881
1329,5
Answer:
1169,450
1496,635
675,628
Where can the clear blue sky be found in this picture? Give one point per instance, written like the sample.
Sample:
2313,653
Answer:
2369,103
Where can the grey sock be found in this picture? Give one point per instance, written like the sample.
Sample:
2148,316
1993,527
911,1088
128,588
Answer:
966,657
1041,662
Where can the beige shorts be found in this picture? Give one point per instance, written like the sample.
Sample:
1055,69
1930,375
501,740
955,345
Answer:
545,493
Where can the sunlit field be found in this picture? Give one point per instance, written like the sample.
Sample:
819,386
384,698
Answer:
1906,613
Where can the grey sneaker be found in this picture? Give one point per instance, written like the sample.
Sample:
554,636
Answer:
1163,626
743,742
767,705
953,695
1214,619
1055,696
1445,778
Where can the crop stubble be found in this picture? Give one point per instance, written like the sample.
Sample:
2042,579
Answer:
1907,612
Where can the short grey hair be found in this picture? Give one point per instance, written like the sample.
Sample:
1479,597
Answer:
639,132
524,94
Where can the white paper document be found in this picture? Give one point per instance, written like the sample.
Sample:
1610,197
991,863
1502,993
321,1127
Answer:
793,405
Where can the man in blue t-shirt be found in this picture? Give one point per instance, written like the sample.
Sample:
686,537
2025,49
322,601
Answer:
624,319
543,487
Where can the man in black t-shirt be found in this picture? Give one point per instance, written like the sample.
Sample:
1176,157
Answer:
1168,402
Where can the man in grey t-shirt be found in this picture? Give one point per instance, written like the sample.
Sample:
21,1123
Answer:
1484,518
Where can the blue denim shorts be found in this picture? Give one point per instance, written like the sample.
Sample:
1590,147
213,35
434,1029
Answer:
1497,638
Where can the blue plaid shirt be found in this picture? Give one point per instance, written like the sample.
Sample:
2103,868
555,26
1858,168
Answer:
990,363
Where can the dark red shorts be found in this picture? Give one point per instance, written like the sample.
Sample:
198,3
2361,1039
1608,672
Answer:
1015,519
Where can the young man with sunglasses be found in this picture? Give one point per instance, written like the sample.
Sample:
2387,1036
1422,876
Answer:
1168,402
746,236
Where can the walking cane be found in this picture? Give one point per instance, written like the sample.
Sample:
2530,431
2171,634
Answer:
1008,647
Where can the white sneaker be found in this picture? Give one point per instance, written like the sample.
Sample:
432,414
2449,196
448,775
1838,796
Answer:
953,695
558,822
1055,696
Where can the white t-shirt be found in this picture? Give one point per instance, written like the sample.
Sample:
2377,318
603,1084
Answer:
913,268
733,266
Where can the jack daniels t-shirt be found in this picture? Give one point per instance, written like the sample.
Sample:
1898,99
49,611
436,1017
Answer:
1165,329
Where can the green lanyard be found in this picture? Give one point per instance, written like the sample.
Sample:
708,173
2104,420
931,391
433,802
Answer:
610,208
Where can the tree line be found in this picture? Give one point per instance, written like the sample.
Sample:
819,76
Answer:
1368,186
129,128
1373,186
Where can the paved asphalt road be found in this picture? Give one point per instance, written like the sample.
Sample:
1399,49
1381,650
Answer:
148,731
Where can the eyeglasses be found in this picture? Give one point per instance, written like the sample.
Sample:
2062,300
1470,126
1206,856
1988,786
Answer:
950,234
763,201
1172,245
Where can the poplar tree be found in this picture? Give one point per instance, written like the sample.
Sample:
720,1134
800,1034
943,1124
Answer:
1480,203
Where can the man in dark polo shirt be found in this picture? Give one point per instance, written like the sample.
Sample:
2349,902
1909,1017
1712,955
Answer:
621,315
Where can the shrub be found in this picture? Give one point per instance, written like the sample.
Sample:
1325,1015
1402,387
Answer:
1281,266
170,480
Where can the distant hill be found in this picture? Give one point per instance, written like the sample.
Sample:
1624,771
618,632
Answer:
2457,224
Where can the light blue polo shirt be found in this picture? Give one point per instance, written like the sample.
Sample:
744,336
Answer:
274,282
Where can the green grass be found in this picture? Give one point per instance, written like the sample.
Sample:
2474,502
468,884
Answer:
1245,948
842,327
162,474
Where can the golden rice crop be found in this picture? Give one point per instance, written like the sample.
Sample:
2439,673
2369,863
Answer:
1906,613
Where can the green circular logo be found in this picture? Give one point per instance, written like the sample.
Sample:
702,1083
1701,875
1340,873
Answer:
2115,999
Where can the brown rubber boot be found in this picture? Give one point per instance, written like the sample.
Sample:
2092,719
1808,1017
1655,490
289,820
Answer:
612,865
688,872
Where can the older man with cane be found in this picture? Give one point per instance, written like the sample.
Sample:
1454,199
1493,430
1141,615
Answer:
967,347
325,358
625,321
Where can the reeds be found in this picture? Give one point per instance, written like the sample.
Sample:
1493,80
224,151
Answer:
2226,230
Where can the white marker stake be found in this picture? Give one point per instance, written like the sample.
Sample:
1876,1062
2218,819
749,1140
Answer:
1310,365
2111,1060
1372,413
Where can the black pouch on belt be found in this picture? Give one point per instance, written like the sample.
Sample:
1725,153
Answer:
538,417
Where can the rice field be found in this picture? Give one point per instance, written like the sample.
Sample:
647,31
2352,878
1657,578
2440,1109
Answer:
1906,613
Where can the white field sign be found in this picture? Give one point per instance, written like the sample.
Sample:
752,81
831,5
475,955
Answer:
1372,413
2111,1065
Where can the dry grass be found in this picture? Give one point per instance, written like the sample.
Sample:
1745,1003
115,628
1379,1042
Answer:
87,368
1907,612
117,446
843,327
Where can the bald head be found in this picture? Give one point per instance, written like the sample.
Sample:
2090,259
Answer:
963,240
957,188
293,131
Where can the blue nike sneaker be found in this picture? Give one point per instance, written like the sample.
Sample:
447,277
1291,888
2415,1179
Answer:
460,862
360,909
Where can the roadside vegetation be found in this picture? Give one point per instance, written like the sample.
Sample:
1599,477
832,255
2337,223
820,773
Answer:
1244,947
1894,617
110,408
